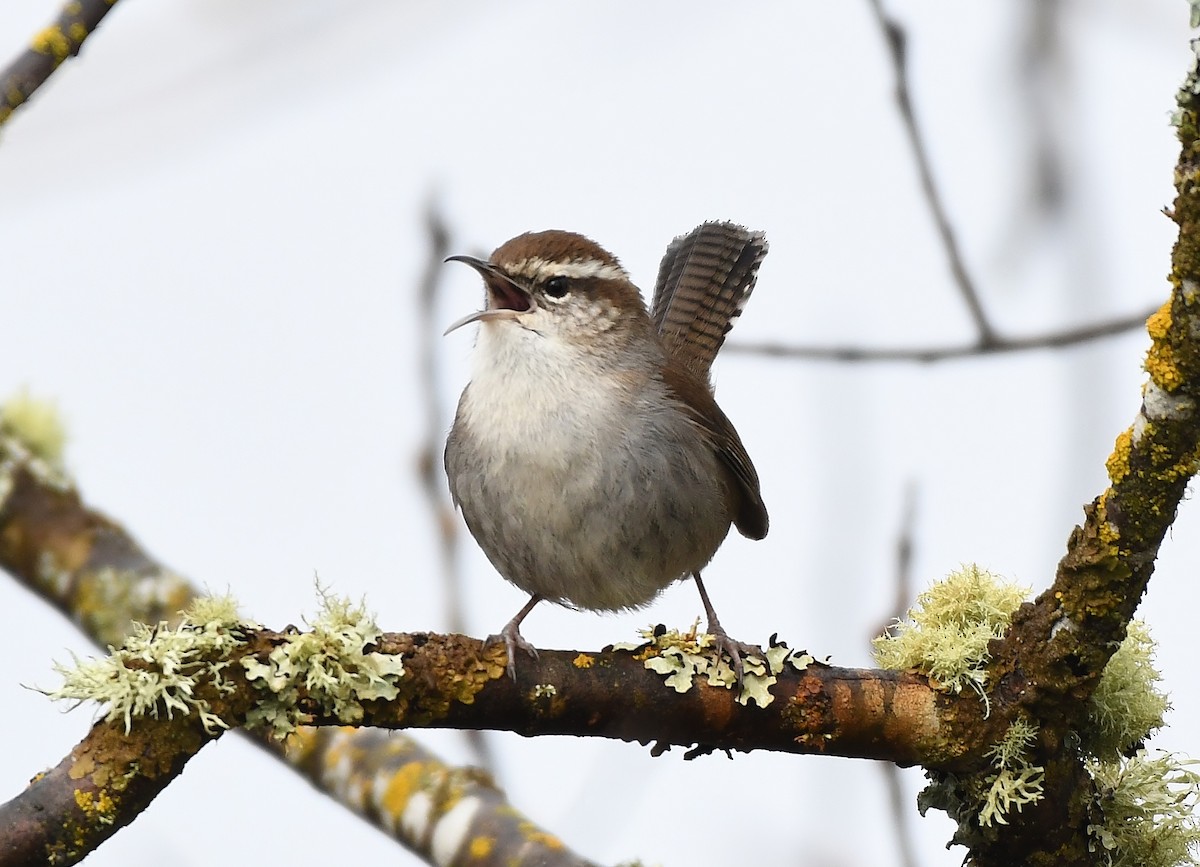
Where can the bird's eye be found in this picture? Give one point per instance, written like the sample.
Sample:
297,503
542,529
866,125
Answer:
556,287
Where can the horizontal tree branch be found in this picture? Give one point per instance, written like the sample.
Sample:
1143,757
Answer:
997,345
458,682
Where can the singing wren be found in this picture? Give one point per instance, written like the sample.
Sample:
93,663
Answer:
588,455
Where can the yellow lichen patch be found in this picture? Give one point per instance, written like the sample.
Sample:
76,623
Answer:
1118,461
52,41
534,834
1160,360
1109,534
1159,322
400,788
583,661
99,806
77,32
480,847
1161,366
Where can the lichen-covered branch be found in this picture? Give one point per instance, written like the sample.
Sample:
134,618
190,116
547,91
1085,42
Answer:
47,51
1048,664
89,568
103,785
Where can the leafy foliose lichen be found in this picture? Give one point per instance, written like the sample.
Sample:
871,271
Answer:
682,656
947,631
330,665
158,670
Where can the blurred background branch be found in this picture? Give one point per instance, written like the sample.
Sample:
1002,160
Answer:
47,51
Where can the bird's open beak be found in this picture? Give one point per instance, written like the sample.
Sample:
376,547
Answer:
506,298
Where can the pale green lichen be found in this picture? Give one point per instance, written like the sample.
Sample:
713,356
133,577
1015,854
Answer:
158,670
1149,811
682,656
947,631
1016,782
1126,706
1009,789
29,442
331,665
37,424
544,690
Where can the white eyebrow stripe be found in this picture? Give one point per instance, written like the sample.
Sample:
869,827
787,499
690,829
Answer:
535,268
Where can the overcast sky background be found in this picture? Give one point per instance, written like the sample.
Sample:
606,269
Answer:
210,230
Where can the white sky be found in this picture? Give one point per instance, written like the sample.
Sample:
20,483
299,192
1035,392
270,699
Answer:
210,233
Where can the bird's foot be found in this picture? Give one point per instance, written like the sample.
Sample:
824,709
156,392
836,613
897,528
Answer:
512,638
734,649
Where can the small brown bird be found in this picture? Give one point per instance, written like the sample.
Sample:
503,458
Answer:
588,455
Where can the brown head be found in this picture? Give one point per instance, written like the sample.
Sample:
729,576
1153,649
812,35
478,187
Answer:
562,285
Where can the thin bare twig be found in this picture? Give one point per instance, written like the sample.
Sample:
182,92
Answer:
429,460
429,376
897,44
47,51
998,346
898,803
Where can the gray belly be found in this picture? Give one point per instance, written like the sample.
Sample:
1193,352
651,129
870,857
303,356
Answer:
606,525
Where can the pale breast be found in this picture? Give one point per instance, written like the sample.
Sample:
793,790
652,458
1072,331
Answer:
590,490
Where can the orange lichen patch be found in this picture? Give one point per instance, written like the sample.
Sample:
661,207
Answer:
648,652
1159,322
401,787
1160,360
583,660
480,847
1118,462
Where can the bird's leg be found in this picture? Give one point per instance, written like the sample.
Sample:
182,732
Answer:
724,644
511,636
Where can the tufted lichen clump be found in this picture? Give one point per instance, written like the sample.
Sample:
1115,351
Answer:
947,631
1126,706
37,424
158,670
1148,809
331,665
1016,782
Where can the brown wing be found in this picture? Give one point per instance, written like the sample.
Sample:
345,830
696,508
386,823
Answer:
749,511
703,283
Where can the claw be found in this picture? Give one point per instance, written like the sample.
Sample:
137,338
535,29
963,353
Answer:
512,638
734,649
